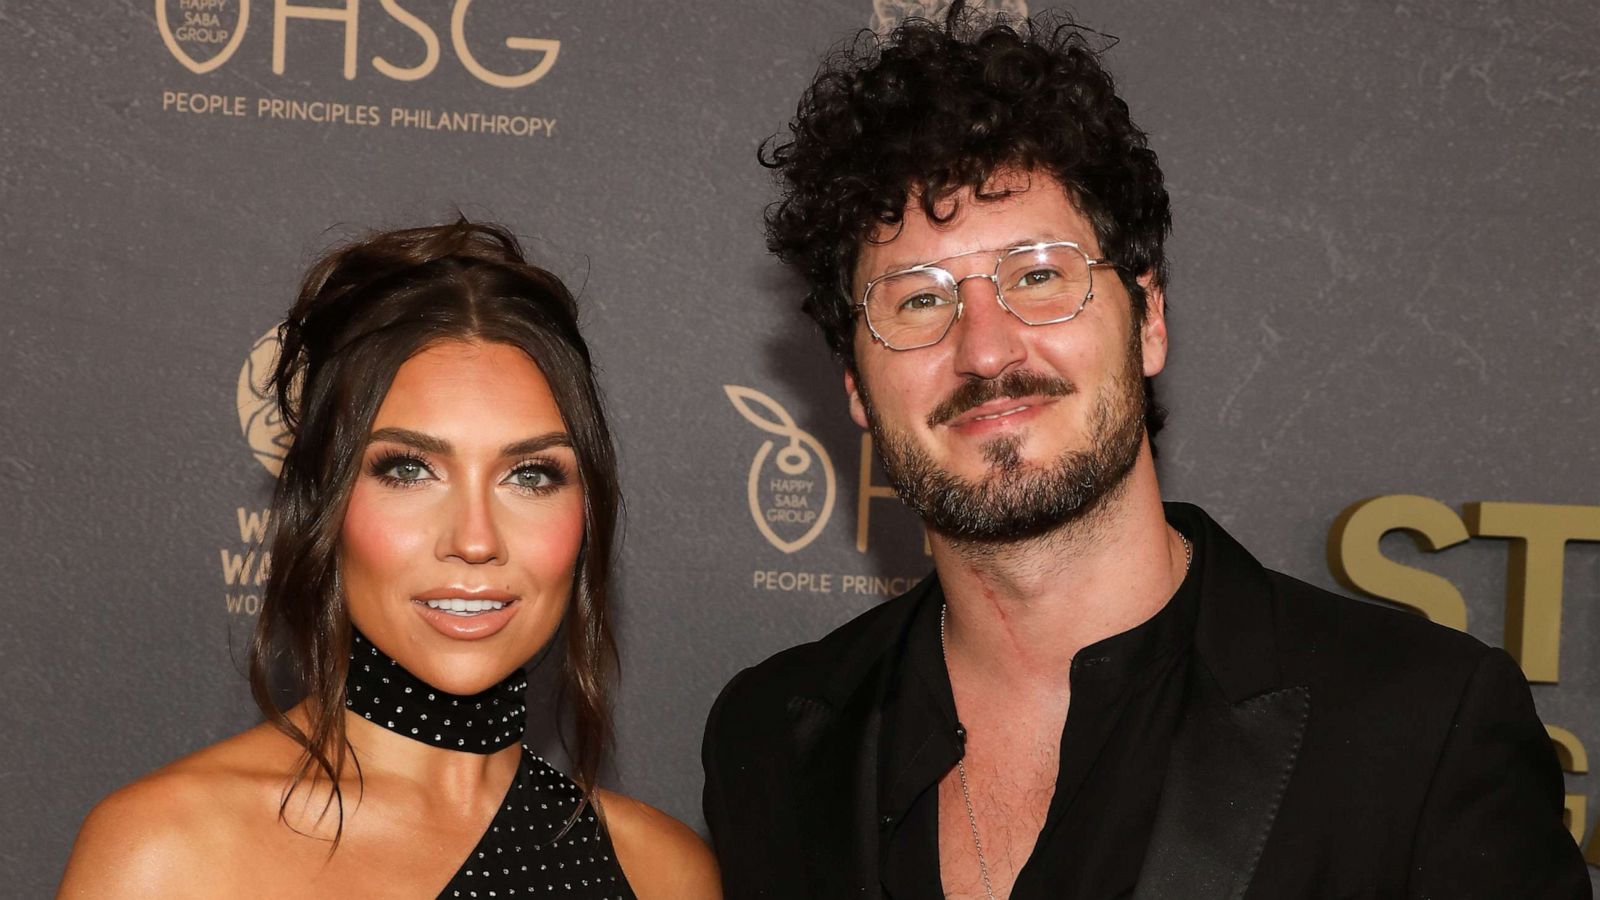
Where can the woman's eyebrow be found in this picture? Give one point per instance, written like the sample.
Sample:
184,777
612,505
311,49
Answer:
427,443
536,444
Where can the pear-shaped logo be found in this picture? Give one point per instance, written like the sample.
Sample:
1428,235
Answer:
214,28
258,409
791,491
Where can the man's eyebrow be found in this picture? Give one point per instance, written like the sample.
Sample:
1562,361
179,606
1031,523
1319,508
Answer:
901,265
427,443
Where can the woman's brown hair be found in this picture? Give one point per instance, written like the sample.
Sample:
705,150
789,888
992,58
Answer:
362,311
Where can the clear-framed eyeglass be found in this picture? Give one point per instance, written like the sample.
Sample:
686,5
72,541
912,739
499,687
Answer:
1040,284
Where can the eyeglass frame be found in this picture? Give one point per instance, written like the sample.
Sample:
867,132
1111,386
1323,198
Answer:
1003,253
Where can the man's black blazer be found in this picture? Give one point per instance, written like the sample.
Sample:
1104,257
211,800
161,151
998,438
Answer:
1327,748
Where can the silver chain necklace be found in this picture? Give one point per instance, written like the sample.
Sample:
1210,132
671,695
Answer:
961,762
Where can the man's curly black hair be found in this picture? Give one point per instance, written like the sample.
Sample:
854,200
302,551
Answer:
930,109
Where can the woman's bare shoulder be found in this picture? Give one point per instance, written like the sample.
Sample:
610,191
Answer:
663,858
156,835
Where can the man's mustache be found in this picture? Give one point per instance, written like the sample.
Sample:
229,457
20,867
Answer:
978,391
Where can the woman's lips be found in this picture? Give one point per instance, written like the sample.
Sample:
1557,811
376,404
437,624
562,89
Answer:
464,615
463,606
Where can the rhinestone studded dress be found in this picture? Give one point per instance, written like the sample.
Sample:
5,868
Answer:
528,850
522,856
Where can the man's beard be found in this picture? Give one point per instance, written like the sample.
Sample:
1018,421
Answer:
1015,500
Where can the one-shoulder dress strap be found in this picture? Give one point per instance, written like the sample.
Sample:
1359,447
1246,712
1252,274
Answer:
529,850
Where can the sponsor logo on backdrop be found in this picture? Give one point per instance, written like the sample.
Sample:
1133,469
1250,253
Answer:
258,412
886,14
204,36
245,565
791,492
790,489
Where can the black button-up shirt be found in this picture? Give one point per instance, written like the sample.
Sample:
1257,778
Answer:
1127,691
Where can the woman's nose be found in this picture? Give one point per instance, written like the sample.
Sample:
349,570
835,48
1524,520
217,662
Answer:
473,535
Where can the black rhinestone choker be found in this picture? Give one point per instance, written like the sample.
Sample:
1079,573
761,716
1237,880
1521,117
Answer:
379,690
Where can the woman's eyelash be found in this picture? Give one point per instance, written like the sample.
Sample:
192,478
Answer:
385,463
555,473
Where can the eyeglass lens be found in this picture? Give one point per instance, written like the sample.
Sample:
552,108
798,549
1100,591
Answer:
915,309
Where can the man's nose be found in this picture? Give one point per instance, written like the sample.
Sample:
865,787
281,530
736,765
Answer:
988,340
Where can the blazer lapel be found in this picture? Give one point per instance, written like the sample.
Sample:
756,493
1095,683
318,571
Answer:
836,731
1229,767
836,789
1238,741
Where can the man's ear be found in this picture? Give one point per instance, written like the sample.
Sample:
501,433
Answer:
1153,334
858,409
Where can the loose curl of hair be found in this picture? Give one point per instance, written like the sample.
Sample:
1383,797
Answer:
362,311
929,110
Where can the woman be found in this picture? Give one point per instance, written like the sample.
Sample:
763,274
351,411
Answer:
450,497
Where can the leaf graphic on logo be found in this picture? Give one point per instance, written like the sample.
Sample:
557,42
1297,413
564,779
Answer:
781,422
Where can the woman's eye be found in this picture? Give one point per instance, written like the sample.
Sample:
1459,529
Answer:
532,478
400,470
405,470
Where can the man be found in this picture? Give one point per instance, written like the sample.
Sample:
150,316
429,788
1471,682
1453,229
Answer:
1094,695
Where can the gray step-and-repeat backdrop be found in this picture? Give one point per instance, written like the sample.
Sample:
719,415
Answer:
1384,327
